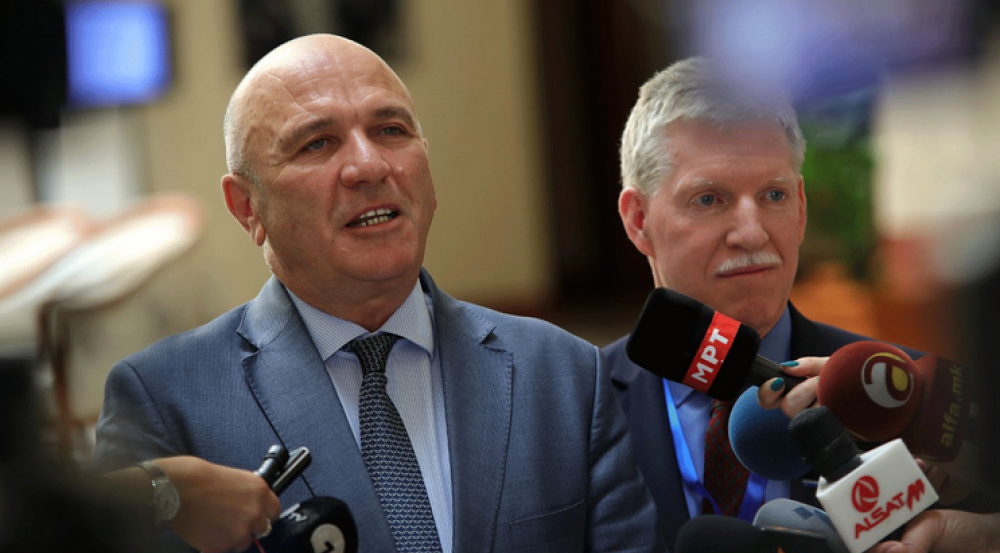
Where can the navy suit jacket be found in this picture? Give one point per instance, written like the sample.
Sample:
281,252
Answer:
540,456
641,395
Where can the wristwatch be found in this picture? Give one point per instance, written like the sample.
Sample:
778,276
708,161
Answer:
165,501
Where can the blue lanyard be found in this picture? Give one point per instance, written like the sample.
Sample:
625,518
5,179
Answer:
753,498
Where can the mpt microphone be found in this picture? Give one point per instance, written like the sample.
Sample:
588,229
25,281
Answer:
787,514
684,340
869,495
761,440
722,534
316,525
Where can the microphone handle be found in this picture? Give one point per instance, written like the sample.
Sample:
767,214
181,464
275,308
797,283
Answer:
763,369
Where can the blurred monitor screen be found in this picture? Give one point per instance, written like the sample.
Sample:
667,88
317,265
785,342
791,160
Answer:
117,52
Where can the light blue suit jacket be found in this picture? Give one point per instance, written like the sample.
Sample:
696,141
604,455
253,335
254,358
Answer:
540,456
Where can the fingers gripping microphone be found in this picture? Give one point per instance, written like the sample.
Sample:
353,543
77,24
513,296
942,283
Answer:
320,524
317,525
684,340
867,496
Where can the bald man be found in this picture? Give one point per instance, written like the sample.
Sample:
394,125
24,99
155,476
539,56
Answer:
518,441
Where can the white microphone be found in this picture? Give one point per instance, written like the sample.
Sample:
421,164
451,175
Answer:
866,495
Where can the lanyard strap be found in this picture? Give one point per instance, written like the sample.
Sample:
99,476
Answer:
753,498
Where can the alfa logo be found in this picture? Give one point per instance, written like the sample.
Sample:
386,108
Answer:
886,380
864,495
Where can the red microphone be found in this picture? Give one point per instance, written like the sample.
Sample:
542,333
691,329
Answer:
874,389
879,393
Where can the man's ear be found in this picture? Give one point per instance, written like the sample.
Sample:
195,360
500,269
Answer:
239,194
632,207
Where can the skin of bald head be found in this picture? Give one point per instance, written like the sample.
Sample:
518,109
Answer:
239,113
329,175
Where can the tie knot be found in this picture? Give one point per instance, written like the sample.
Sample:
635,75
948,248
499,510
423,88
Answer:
721,408
373,351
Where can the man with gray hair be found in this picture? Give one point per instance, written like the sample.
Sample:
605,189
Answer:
713,197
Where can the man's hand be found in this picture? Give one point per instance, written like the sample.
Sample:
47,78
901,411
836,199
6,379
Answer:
946,531
800,397
221,507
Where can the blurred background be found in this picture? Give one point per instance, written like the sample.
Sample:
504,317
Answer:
114,234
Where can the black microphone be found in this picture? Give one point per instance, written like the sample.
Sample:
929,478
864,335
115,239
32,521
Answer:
273,465
684,340
722,534
316,525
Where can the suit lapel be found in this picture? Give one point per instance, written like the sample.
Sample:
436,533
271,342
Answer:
478,382
640,393
291,385
806,340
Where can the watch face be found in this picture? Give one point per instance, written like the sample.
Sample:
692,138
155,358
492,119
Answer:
166,499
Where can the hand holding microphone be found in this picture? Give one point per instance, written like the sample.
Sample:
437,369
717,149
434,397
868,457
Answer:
221,507
946,531
775,393
319,524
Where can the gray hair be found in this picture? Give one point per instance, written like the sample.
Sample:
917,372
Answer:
693,89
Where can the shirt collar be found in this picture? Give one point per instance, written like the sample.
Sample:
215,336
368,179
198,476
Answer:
411,321
774,346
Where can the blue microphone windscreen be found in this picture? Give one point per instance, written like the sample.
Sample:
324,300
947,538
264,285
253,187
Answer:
761,440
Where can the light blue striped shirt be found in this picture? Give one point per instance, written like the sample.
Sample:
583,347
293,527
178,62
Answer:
694,410
414,373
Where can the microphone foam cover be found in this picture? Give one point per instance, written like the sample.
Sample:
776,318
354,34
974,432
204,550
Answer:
717,533
316,524
761,440
873,388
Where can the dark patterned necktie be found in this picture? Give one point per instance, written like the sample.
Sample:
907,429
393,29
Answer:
388,453
725,477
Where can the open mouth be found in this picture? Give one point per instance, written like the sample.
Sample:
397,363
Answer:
373,217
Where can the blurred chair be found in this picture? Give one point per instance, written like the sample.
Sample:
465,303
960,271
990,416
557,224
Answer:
30,245
65,264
